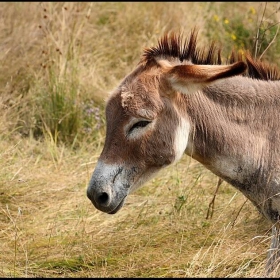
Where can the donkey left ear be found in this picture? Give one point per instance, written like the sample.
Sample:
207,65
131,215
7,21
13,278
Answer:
190,78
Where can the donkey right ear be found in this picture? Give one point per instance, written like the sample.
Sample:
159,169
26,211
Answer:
190,78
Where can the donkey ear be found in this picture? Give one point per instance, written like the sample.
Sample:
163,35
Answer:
190,78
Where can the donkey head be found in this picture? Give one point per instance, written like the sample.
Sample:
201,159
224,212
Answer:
148,125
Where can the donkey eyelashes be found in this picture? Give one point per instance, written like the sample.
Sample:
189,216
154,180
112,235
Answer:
139,124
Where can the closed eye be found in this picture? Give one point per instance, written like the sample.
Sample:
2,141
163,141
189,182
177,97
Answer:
138,125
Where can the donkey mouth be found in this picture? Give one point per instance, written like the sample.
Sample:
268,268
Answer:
116,209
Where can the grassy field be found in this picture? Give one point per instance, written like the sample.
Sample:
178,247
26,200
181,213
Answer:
58,62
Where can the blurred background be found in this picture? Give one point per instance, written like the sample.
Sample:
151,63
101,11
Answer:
59,61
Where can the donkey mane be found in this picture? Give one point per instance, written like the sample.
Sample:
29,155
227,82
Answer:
173,45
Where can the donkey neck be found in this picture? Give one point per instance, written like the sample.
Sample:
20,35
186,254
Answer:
235,132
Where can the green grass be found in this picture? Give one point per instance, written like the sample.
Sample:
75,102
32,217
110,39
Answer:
58,63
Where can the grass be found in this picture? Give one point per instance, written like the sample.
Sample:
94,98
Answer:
50,229
58,62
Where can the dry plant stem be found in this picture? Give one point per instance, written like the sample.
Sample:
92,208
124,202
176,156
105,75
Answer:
258,32
8,214
269,27
271,42
210,210
239,212
273,262
259,40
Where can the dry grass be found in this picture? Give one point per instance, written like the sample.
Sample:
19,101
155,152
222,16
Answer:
48,228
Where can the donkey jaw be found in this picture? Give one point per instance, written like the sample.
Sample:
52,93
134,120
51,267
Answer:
118,207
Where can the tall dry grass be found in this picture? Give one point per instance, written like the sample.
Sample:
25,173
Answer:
58,62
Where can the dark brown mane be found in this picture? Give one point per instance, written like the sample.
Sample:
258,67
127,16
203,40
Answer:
173,45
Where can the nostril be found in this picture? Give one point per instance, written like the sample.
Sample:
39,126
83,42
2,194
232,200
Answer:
103,198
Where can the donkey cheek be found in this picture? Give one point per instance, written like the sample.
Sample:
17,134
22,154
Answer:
167,160
161,159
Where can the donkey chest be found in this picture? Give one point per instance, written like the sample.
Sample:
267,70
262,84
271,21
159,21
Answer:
261,185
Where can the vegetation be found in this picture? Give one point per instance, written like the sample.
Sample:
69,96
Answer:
58,62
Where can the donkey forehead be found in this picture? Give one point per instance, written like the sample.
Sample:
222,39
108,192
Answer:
138,95
143,83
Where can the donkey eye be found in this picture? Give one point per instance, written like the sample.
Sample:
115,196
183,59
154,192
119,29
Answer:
138,125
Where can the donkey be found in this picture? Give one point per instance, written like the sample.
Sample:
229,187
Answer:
182,99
